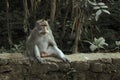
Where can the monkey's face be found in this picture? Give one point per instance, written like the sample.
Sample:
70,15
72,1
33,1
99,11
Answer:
42,27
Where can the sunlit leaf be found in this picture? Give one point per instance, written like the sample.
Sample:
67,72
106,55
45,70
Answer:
117,43
92,3
104,6
101,4
106,11
98,43
98,14
96,7
95,39
93,47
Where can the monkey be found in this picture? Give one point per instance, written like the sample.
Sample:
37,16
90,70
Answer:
41,43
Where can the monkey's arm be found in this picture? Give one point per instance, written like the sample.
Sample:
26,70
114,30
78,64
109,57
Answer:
37,54
60,54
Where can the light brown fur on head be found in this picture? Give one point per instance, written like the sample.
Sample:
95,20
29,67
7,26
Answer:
42,22
42,26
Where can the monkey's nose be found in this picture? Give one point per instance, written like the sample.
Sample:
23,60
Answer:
44,32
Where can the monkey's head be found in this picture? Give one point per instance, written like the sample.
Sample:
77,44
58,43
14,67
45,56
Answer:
42,26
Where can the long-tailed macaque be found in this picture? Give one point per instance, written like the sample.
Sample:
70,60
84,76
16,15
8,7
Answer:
41,43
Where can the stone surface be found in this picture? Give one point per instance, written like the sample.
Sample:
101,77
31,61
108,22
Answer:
106,60
104,76
80,66
97,66
116,61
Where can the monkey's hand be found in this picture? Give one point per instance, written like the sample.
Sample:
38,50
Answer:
66,60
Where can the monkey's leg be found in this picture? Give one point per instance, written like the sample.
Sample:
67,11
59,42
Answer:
60,54
30,52
37,55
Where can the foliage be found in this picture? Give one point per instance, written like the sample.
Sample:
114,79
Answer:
19,48
117,43
2,50
98,43
19,20
100,7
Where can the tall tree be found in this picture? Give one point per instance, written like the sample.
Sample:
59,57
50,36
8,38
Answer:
53,11
78,24
26,16
8,25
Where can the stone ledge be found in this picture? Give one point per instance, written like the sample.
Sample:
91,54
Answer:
98,66
92,56
73,57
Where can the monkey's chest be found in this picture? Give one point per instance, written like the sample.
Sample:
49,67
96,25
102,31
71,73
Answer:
43,44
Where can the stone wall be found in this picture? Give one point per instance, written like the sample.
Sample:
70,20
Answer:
102,66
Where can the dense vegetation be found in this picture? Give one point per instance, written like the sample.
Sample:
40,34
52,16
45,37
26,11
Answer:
72,21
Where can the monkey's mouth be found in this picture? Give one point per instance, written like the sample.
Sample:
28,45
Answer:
43,32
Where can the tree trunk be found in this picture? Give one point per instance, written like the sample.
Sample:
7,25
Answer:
72,15
53,11
79,20
65,18
8,25
26,14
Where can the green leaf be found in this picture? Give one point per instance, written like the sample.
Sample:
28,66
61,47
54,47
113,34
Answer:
117,43
101,42
98,43
101,4
92,3
98,14
95,39
93,47
96,7
106,11
16,46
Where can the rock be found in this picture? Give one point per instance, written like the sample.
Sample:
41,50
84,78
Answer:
3,62
106,60
80,66
116,60
96,67
104,76
5,69
79,76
